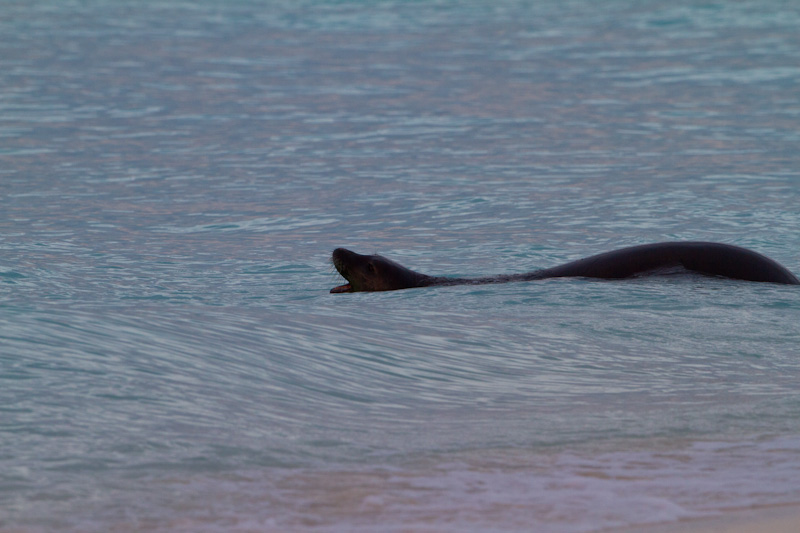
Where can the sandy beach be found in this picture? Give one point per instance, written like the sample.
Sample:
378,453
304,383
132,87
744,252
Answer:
778,519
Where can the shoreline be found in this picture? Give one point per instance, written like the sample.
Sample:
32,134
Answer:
774,519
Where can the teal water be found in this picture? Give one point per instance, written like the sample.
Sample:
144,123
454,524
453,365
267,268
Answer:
174,177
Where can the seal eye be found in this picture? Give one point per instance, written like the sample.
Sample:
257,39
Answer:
371,268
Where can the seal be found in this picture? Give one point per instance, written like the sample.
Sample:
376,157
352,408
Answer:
377,273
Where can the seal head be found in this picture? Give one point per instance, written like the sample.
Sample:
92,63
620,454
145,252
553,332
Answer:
373,273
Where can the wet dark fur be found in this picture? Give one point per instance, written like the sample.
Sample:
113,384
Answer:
377,273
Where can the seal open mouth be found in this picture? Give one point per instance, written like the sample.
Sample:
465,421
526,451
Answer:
343,288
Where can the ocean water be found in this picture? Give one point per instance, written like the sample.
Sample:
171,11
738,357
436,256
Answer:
174,176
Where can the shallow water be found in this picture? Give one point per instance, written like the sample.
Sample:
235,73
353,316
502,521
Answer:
174,177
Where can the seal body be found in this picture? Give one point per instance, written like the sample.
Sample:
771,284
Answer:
711,258
377,273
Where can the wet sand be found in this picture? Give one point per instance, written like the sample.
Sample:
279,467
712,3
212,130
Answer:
778,519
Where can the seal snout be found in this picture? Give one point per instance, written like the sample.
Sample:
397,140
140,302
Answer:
342,254
340,258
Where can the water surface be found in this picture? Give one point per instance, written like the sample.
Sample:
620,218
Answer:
175,175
